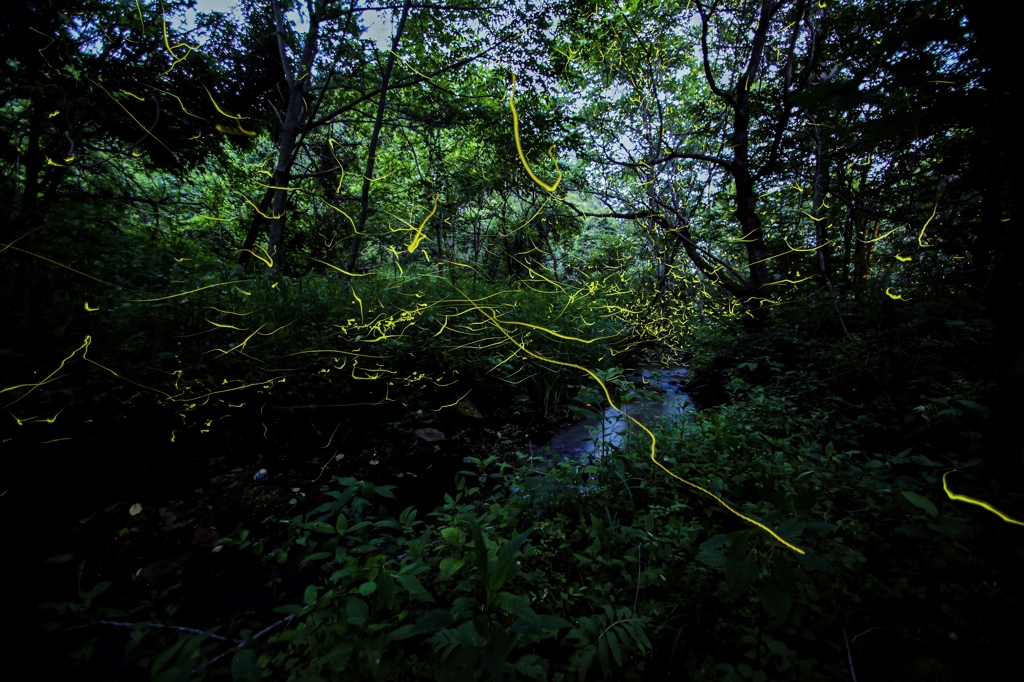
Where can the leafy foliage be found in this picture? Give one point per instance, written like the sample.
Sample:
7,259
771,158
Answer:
287,322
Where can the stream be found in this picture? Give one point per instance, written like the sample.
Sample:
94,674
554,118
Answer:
590,438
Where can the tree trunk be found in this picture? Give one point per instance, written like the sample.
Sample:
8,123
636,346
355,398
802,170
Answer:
282,174
820,218
371,157
863,249
33,167
746,195
1001,142
254,227
291,127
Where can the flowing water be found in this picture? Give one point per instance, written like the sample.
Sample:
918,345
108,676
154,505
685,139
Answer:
659,394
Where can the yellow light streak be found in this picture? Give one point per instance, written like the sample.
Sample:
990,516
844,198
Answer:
170,48
895,297
186,293
519,145
979,503
137,121
344,272
419,236
925,227
497,324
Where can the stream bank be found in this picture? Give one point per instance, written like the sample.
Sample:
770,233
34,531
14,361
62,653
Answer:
660,394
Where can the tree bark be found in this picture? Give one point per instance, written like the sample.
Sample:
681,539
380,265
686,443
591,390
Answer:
1001,236
746,195
254,227
33,167
291,127
371,157
820,218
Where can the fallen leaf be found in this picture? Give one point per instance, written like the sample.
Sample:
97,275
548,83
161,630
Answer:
136,509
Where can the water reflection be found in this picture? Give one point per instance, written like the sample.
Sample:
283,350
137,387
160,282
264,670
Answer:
659,394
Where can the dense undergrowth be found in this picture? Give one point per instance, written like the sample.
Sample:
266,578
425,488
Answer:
572,571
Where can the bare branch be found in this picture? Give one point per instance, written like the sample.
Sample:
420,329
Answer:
159,626
724,163
405,83
286,63
704,53
787,107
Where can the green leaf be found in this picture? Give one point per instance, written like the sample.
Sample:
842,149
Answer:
452,535
775,599
310,595
96,591
921,502
245,667
813,562
495,654
740,563
531,666
586,660
602,655
468,636
314,557
386,591
165,657
971,405
450,565
710,551
549,623
779,648
367,588
791,529
289,609
385,491
613,644
479,548
438,619
506,557
359,526
715,542
414,587
357,611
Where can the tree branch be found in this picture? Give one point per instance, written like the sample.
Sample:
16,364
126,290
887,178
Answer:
159,626
724,163
286,63
404,83
704,53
